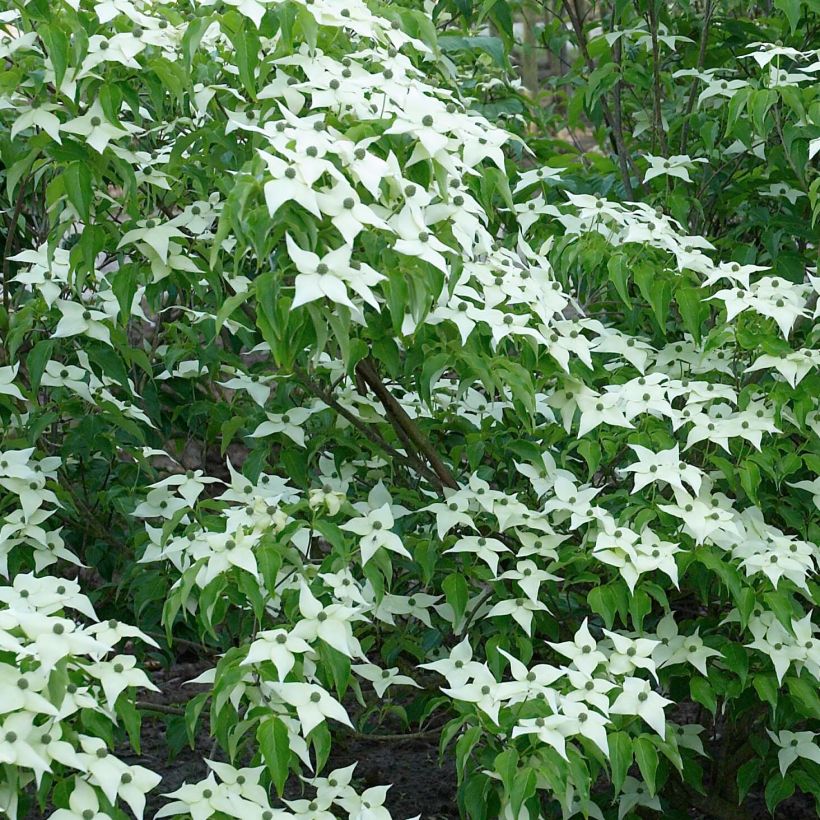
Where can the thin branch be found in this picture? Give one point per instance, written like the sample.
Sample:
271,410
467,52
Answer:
160,708
615,127
18,207
363,428
657,113
400,420
690,106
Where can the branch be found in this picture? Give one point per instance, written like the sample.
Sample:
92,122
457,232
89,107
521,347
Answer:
690,106
403,424
18,207
160,708
657,114
410,460
365,429
615,126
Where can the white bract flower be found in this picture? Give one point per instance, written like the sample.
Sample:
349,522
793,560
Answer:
374,529
636,698
312,703
794,745
676,166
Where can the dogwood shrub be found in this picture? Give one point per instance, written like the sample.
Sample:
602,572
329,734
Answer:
319,351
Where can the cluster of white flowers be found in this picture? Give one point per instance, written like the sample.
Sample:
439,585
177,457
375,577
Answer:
57,667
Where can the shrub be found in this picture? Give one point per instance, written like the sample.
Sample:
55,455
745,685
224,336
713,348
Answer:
321,352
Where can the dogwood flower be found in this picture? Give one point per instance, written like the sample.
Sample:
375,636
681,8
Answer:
190,484
289,424
458,667
676,166
794,366
675,648
199,800
665,465
451,513
312,703
630,654
37,115
484,691
794,745
115,778
329,275
331,623
521,609
96,129
416,240
382,678
582,650
634,793
117,675
547,729
529,577
638,699
160,503
485,549
83,804
703,516
374,529
77,319
369,805
534,682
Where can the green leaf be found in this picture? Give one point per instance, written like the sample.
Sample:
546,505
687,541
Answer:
750,479
274,744
456,592
702,692
36,361
193,37
646,756
464,746
737,659
747,776
524,786
77,178
602,602
791,8
230,305
131,718
694,310
720,564
619,276
245,41
620,758
805,696
640,605
759,104
55,38
506,765
767,689
778,789
656,290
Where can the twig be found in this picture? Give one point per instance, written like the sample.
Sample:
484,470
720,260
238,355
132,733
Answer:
690,106
657,114
18,207
365,429
160,708
394,738
615,127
